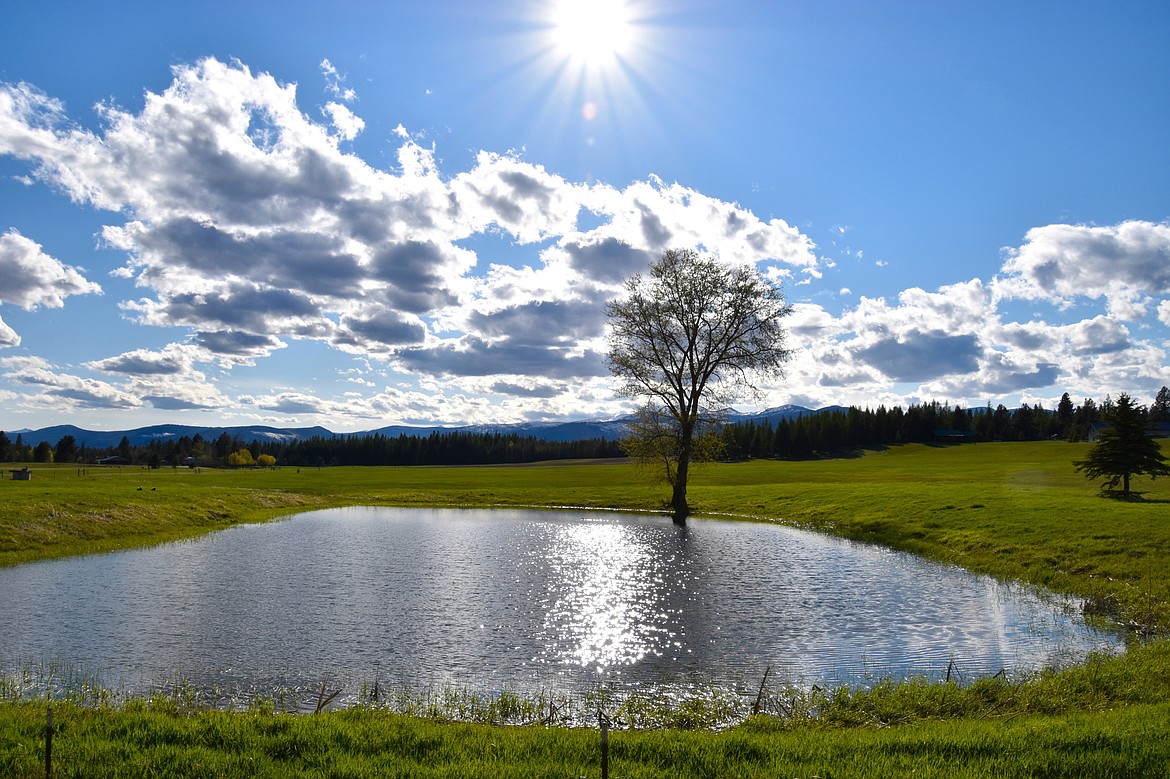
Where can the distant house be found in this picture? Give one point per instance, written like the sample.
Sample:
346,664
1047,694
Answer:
1160,430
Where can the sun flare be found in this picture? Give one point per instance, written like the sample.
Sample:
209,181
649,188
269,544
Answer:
592,32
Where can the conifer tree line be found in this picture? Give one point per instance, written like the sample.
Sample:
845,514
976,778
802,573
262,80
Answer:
823,433
835,431
438,448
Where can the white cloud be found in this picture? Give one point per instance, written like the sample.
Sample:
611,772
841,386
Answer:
31,278
8,336
333,82
63,391
184,392
251,226
246,222
348,124
1124,263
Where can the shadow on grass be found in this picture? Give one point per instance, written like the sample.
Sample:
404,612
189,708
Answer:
1131,497
846,454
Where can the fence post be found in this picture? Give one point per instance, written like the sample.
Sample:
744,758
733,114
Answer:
603,721
49,746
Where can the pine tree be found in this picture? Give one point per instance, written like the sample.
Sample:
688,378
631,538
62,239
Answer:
1123,449
1160,410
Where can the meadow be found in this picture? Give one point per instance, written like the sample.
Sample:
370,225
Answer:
1013,510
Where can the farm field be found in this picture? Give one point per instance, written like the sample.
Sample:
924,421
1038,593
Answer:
1014,510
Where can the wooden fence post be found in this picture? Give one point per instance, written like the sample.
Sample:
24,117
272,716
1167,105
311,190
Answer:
603,721
49,746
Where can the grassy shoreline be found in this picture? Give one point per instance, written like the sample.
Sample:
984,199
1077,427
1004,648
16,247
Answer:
1015,511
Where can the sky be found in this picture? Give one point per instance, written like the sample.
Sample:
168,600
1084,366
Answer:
358,214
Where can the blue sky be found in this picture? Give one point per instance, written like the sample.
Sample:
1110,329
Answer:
357,214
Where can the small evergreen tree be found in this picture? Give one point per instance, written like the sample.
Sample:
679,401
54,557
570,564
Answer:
1123,449
66,449
1064,416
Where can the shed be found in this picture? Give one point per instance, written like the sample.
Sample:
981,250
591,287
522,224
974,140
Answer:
21,474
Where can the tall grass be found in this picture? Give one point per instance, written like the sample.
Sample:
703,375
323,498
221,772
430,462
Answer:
1106,718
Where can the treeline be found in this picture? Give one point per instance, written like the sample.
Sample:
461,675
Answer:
456,448
452,448
833,432
824,433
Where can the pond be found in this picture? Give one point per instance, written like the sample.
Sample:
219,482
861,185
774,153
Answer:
524,601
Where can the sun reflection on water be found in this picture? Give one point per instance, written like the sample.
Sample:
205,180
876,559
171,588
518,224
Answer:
606,612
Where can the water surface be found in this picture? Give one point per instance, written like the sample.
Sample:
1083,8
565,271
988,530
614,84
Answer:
525,600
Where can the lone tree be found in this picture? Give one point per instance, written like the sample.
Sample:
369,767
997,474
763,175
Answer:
1123,449
687,339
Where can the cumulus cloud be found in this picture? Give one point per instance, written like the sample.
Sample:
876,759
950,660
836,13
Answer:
346,123
58,390
188,391
250,225
247,222
958,343
919,356
1124,263
30,278
8,336
141,362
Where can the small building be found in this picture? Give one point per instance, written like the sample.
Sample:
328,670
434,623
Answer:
114,460
1160,430
21,474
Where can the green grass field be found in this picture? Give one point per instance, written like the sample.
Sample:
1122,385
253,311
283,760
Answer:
1013,510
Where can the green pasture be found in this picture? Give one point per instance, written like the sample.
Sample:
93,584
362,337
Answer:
1014,510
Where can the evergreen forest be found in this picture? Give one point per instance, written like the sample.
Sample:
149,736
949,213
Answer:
827,433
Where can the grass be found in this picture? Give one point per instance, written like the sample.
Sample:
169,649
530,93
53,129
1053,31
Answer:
1012,510
157,738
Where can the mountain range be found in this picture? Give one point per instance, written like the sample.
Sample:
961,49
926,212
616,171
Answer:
582,430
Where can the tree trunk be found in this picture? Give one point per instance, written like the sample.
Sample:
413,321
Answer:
1125,485
678,504
678,500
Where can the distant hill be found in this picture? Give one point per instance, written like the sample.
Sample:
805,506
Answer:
582,430
144,435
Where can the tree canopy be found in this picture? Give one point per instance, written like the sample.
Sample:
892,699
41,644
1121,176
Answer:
1124,449
686,339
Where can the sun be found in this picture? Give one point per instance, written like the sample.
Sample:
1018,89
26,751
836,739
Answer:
592,33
